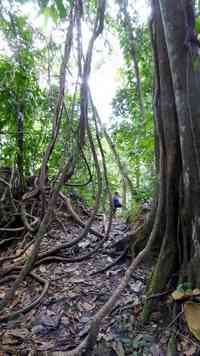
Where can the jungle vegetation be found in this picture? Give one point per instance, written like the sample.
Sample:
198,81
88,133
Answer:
53,137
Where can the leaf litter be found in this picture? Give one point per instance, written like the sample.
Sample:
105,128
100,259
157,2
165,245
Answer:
74,296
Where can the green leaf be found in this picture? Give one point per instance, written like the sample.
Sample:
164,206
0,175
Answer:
184,287
197,24
61,9
43,3
51,12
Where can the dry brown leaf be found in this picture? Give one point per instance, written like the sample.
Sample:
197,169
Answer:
18,251
87,306
19,333
177,295
185,346
191,351
196,291
192,316
2,293
42,269
16,300
118,348
76,280
26,254
71,294
9,339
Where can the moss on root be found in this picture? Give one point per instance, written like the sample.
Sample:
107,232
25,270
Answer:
165,267
149,305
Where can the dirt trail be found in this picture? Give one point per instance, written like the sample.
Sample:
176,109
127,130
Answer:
74,296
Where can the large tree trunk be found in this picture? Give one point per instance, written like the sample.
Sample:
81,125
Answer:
178,128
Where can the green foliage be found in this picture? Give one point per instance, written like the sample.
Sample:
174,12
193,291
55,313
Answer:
31,54
51,12
61,9
197,24
139,346
19,88
133,138
184,287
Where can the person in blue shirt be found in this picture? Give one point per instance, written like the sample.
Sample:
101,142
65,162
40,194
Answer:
116,202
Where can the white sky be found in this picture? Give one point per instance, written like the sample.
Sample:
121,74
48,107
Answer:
105,81
104,78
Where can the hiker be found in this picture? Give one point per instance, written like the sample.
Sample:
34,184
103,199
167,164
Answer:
116,202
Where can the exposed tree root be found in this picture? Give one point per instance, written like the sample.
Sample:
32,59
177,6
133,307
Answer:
70,244
27,308
9,269
48,258
14,257
76,217
5,241
8,278
110,265
135,232
34,225
16,229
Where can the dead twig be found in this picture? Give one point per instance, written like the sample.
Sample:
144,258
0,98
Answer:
175,319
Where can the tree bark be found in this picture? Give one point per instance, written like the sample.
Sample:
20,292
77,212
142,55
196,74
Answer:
178,128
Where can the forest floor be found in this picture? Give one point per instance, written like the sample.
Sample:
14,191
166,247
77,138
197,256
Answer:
75,294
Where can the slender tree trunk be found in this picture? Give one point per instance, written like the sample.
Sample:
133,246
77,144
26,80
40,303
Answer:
120,165
20,146
137,171
124,194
